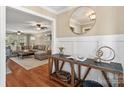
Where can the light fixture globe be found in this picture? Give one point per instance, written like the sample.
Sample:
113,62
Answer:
18,32
92,16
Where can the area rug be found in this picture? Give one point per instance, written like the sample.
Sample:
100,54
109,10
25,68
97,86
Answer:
29,63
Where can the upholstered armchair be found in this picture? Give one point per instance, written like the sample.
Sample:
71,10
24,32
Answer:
42,52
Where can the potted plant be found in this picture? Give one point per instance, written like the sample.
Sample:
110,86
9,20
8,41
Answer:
61,50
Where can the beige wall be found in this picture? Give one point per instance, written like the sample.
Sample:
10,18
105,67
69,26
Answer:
109,20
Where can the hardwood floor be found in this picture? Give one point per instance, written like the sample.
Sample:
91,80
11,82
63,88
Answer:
37,77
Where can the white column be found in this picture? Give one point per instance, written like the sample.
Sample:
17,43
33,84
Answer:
2,46
53,42
54,49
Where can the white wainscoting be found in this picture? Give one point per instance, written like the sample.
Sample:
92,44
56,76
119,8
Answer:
86,46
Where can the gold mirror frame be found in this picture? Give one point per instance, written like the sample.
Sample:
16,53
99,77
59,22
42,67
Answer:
71,17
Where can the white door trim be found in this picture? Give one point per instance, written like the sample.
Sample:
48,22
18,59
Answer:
43,16
2,46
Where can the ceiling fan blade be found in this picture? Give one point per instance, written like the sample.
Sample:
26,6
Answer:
44,27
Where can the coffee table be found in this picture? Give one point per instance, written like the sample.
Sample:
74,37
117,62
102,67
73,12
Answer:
25,53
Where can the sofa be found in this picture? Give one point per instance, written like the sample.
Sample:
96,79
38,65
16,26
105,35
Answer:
10,52
42,52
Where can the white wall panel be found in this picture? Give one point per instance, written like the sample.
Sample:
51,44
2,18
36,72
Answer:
87,46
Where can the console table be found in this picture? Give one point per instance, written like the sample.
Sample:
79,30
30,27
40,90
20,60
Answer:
54,60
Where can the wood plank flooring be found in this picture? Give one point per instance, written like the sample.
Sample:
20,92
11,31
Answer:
37,77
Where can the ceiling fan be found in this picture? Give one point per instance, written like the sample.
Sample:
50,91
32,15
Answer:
39,26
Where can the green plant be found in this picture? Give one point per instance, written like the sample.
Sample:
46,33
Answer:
61,50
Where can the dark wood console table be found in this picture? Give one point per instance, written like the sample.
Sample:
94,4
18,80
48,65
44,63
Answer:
115,68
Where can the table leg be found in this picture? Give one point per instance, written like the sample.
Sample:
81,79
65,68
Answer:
79,72
72,74
62,65
50,65
120,80
56,65
106,78
86,73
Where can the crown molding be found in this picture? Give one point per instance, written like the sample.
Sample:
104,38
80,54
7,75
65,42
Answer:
48,9
55,12
67,9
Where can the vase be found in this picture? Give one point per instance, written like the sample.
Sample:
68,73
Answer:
61,52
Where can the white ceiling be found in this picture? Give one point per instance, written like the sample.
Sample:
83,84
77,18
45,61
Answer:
20,21
57,9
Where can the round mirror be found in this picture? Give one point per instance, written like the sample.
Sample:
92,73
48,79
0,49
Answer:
82,20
